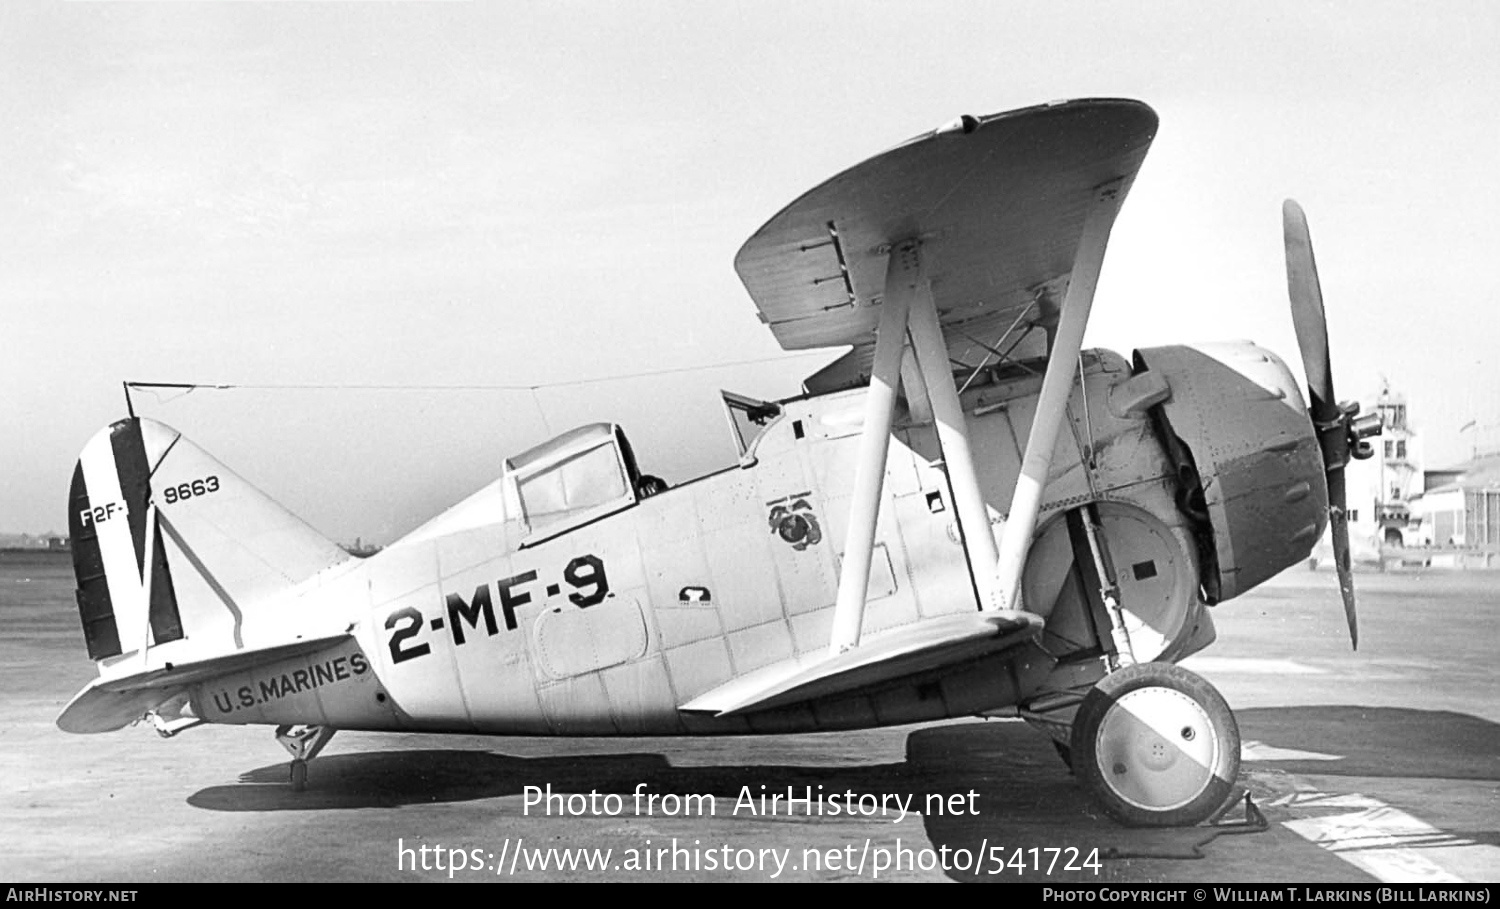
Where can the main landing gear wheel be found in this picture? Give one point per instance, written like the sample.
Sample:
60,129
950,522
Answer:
1157,746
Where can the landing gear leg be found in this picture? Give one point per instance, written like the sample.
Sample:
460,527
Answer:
303,743
1156,745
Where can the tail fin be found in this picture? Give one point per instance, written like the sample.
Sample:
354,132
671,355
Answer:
170,547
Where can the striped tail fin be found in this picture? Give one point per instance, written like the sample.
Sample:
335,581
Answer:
175,554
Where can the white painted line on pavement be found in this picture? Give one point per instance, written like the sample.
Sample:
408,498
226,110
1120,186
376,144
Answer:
1260,751
1386,842
1249,666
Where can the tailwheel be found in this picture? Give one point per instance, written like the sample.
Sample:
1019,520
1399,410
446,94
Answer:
1156,745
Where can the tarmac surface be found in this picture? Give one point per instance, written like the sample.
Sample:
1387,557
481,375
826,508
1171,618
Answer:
1376,765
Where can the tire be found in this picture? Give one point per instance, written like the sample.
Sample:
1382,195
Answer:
1156,746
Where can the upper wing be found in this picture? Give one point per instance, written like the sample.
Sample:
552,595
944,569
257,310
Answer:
999,204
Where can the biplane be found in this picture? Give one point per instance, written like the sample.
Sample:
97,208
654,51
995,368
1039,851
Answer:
964,515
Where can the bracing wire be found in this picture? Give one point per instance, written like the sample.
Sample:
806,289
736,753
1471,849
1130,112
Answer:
189,387
336,386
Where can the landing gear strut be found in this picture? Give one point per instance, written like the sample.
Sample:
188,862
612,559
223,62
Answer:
303,743
1156,745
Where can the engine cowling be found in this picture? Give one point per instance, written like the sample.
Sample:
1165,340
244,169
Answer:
1248,463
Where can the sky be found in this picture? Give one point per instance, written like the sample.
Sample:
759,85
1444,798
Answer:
422,196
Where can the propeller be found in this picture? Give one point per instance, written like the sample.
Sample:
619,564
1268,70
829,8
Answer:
1341,433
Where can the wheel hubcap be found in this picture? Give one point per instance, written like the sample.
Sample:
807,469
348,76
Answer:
1157,748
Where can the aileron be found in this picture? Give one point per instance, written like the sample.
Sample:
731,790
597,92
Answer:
999,210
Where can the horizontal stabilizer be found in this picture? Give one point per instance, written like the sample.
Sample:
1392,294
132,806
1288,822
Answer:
929,644
108,704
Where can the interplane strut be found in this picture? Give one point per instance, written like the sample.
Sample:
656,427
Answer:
874,443
908,310
1052,403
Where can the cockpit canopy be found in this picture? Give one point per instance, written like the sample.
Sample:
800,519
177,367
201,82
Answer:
581,475
577,477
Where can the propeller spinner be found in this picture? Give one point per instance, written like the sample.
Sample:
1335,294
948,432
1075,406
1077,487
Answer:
1340,435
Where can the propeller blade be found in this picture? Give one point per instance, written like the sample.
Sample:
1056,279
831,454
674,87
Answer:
1330,421
1338,523
1307,311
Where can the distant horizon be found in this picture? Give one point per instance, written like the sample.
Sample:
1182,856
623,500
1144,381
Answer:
1480,452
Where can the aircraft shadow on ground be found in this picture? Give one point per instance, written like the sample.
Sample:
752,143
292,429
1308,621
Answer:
1386,742
1378,741
1024,795
941,760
